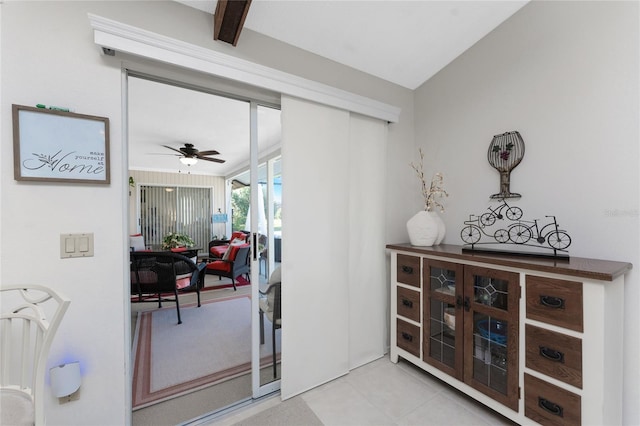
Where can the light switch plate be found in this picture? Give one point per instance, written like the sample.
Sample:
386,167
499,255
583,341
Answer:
76,245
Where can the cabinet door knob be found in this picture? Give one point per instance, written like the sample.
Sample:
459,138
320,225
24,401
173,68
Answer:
407,336
551,354
407,269
407,303
552,302
550,407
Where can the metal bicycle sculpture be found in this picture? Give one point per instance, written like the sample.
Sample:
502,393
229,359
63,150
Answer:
517,231
512,213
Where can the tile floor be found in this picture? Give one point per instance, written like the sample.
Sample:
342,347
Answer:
383,393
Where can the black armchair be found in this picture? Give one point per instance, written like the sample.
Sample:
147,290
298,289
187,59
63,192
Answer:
154,275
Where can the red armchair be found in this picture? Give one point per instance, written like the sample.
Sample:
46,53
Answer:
233,265
217,250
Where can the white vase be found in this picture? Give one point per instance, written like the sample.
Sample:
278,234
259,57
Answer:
425,228
441,229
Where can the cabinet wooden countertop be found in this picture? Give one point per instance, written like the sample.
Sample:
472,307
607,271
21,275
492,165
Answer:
603,270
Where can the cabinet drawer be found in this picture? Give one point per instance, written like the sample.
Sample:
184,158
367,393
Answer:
548,404
409,304
554,354
408,337
408,270
556,302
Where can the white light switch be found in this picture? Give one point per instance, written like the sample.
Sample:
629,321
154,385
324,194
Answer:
84,244
69,245
76,245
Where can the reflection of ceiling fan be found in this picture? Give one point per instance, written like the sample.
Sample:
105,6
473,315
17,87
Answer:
190,155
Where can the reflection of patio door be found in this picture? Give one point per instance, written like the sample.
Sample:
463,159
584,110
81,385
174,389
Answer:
167,209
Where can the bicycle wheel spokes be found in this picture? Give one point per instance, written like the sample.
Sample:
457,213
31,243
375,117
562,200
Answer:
501,235
488,219
514,213
519,233
559,240
470,234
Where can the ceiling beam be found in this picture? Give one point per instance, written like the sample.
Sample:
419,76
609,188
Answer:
228,20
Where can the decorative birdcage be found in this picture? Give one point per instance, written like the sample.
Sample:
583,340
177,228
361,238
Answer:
505,153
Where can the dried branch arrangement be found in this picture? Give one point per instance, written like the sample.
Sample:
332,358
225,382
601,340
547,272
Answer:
435,189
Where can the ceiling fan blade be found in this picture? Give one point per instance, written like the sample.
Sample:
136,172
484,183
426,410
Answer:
215,160
173,149
211,152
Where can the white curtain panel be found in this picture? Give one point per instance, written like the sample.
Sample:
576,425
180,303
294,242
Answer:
368,293
333,264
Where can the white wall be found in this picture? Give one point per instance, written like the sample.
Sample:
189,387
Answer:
565,75
48,56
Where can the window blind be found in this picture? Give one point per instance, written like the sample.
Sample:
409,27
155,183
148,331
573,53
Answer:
166,209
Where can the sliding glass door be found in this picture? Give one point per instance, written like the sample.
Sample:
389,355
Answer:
175,209
265,292
256,199
237,136
270,201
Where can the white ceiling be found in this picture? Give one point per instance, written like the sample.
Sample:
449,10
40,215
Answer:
162,114
404,42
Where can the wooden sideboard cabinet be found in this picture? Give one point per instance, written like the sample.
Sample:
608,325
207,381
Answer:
526,336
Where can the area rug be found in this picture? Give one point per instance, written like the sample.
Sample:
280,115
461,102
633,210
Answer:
209,285
213,344
240,281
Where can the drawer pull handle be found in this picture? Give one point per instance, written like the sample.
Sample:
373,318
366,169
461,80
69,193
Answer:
552,302
407,336
407,269
550,407
551,354
407,303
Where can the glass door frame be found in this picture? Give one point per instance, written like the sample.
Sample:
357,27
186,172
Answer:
267,172
258,390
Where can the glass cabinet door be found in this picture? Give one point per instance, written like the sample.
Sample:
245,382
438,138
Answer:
491,300
443,322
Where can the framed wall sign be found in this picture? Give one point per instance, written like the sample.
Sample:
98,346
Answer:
52,145
220,218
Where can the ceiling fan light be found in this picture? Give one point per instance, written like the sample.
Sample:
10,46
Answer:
188,161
